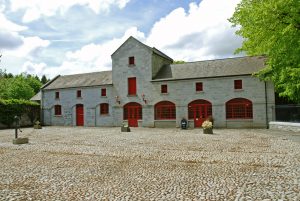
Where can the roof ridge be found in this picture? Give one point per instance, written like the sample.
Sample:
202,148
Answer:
229,58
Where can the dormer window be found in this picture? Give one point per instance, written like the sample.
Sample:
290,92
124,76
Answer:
131,61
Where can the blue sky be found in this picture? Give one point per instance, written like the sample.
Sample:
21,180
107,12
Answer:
78,36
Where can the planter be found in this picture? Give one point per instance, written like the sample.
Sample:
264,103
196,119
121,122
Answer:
207,131
125,129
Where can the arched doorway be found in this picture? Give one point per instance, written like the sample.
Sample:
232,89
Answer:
79,115
132,112
199,110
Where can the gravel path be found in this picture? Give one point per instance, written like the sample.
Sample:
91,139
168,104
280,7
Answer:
63,163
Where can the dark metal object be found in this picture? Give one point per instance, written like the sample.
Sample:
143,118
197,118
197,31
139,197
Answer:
183,123
17,126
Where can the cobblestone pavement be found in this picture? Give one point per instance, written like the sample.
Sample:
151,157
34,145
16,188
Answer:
64,163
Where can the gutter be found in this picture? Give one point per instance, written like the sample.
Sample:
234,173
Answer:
194,78
266,99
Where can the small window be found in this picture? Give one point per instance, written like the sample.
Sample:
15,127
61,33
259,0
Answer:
132,86
238,84
78,93
57,110
199,86
103,92
104,108
57,95
164,88
131,61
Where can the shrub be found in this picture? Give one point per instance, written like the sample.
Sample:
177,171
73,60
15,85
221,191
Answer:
14,107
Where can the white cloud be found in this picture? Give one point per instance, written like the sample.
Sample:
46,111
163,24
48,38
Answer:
196,34
33,68
92,57
34,9
7,25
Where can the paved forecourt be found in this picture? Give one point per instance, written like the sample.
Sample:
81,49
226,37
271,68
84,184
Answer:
66,163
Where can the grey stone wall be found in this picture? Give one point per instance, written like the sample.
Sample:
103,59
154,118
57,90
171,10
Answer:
91,99
215,90
286,126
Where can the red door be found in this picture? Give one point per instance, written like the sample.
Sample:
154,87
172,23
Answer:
79,115
199,110
132,112
200,114
133,116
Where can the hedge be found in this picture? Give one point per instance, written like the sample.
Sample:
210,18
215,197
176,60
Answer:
14,107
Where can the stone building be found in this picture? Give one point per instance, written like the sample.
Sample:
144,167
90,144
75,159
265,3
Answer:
145,89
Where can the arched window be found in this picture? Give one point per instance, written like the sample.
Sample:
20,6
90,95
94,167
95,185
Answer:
165,110
104,108
57,109
239,108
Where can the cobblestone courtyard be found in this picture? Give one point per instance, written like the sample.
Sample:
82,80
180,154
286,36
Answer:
63,163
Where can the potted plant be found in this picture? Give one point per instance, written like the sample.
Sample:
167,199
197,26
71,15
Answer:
207,127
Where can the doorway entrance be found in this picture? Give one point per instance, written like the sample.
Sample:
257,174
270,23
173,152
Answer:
132,113
79,115
199,110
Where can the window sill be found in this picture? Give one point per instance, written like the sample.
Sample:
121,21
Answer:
79,97
103,96
131,95
131,65
104,115
164,93
199,92
58,115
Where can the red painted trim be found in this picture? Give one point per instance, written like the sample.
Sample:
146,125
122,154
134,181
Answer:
239,108
165,110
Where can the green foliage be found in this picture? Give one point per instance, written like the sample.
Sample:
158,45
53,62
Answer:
272,28
21,86
44,79
13,107
178,62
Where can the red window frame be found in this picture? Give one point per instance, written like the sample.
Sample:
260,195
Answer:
164,88
104,108
103,92
57,109
238,84
199,86
132,86
78,93
239,108
57,95
165,110
131,61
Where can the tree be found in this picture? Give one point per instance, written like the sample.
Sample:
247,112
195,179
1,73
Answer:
178,62
272,28
19,88
44,80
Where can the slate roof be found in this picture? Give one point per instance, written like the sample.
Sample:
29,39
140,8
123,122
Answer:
211,68
81,80
36,97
